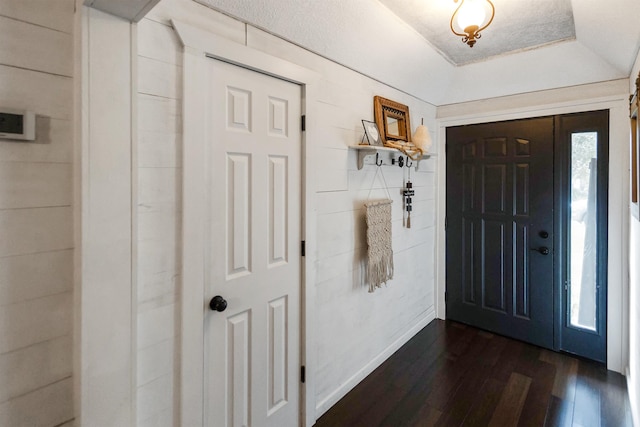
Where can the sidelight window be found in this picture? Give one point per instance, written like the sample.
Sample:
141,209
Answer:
582,254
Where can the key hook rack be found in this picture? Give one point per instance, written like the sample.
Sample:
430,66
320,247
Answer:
385,156
403,161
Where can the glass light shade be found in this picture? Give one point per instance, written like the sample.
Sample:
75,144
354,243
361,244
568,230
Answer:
472,12
422,139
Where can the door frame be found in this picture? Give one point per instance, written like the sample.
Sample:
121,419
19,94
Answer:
612,96
201,46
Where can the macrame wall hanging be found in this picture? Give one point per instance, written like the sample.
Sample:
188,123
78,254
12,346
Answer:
379,238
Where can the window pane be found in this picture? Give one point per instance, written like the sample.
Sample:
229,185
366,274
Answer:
583,231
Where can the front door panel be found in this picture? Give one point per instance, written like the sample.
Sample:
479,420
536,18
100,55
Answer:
499,228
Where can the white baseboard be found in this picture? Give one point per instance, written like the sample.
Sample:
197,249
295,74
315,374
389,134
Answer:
349,384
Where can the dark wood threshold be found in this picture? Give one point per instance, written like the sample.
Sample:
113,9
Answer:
450,374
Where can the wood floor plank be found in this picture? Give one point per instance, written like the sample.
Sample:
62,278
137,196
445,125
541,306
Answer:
586,409
461,401
426,417
455,375
424,360
416,397
559,413
507,413
534,410
379,409
474,376
417,393
529,361
496,347
507,360
487,400
614,408
564,385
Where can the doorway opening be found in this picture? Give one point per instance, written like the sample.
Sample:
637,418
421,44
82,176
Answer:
526,231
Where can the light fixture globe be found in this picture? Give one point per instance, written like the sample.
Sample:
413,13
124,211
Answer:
471,18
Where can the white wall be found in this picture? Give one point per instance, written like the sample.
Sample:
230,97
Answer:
36,216
633,376
355,330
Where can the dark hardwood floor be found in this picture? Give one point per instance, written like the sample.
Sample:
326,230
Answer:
450,374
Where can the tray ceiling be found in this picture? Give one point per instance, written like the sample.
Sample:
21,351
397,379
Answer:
531,46
517,25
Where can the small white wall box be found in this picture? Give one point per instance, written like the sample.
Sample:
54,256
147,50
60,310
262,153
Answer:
17,124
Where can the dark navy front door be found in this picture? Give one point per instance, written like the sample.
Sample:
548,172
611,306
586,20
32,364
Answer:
500,224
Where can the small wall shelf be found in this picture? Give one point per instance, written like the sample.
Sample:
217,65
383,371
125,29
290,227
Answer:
389,155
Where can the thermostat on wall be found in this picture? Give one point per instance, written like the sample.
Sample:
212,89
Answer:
15,124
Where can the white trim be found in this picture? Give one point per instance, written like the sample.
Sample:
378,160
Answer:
134,222
198,46
80,164
309,226
218,47
192,331
105,353
367,369
535,104
555,103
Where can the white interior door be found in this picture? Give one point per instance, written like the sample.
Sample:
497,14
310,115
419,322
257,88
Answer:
252,254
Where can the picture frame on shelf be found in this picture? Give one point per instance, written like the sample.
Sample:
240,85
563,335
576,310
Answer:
372,133
392,119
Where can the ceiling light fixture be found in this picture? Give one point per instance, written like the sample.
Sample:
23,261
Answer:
471,18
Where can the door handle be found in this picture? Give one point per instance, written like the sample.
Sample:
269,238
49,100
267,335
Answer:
542,249
218,303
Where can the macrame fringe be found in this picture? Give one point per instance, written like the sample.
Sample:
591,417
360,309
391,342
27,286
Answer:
379,272
379,240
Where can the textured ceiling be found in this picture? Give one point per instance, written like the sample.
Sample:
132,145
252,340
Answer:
517,25
397,47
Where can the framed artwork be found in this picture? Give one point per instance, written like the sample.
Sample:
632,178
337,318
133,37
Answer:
392,119
372,133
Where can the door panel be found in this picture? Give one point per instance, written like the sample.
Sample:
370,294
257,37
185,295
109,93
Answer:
252,256
582,151
499,197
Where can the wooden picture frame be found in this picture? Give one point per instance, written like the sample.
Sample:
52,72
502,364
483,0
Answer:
392,119
634,152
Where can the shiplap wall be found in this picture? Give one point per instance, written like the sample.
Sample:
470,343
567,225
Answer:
36,216
355,330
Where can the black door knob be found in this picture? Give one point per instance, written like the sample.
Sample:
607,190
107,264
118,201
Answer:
218,303
542,249
543,234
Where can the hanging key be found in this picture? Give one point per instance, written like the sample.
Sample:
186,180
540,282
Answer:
408,194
